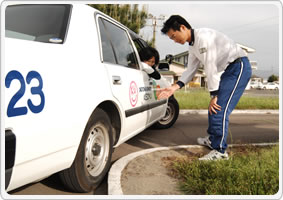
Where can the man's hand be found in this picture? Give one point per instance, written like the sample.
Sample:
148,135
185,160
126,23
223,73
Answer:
167,92
213,106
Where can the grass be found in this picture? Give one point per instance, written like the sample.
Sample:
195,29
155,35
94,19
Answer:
252,172
258,103
199,99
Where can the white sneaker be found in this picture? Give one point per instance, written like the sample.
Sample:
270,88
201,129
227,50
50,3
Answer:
205,142
215,155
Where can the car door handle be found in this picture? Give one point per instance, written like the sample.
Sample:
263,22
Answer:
116,80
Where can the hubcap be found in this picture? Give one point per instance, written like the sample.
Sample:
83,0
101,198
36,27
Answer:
97,149
170,112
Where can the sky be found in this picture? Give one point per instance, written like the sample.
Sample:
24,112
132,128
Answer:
253,24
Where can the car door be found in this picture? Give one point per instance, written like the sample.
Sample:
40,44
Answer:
156,107
126,79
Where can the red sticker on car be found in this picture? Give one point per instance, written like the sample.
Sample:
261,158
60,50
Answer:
133,93
156,90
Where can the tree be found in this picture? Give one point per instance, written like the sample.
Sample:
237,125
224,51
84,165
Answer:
150,43
127,14
272,78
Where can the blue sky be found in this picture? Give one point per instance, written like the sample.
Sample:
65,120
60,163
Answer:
253,24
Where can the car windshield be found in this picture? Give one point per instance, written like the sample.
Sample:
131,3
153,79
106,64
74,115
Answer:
43,23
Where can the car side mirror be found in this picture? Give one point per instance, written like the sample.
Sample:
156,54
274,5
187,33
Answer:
169,58
163,66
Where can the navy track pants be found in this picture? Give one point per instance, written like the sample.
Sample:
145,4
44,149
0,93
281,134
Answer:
232,85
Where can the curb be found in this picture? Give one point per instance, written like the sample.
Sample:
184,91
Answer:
205,112
115,173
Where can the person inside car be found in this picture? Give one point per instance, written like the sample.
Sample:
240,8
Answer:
150,58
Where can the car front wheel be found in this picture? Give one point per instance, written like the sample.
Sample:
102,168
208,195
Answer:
172,113
93,158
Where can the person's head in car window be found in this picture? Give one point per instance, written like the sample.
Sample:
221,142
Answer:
150,58
149,55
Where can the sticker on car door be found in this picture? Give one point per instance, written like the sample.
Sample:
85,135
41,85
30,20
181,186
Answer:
133,93
156,89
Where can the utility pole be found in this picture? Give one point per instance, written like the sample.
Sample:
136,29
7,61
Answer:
154,25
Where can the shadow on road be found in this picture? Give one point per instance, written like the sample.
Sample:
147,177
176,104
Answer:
257,129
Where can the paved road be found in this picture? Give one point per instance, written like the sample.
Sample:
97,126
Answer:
244,128
261,93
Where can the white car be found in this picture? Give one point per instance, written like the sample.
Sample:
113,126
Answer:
74,89
270,86
256,85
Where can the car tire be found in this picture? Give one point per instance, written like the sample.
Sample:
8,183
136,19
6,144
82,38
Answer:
93,157
172,113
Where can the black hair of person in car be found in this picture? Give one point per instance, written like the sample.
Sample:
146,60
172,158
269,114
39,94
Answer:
150,56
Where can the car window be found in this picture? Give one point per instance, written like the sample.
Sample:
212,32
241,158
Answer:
139,43
43,23
107,50
123,49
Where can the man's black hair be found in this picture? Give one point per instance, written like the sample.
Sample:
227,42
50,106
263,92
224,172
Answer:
174,22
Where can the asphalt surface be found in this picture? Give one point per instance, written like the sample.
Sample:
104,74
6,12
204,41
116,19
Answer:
244,128
261,93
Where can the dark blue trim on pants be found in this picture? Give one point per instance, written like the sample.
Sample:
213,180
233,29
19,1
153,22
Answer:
232,85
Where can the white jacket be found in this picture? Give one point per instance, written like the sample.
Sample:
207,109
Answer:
215,51
148,69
